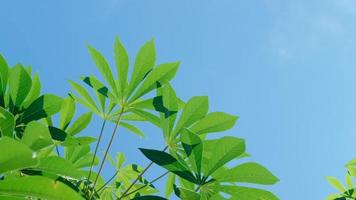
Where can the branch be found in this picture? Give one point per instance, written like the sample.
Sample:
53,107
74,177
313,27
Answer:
139,176
107,150
147,184
97,147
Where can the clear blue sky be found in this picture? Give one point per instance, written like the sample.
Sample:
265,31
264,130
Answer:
287,68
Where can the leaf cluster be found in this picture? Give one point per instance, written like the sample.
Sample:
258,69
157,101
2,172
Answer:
44,154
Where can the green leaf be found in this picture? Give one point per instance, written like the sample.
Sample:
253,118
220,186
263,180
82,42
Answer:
80,156
7,123
144,104
149,197
144,62
133,129
168,162
193,148
39,187
161,74
20,84
4,72
183,193
99,87
169,184
218,152
67,112
59,166
34,92
44,106
351,163
87,101
104,68
57,134
246,193
15,155
122,63
80,124
248,173
349,182
37,136
214,122
195,109
72,141
147,116
171,103
120,157
335,183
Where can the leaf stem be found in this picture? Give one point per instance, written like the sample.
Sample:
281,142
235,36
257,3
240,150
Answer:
139,176
57,150
107,150
97,147
147,184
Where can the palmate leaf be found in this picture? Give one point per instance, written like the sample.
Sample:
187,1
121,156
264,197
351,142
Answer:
248,173
44,106
214,122
144,62
168,162
336,183
77,141
34,92
194,110
132,129
122,64
15,155
67,112
170,102
80,124
39,187
20,84
149,197
4,72
79,156
102,92
59,166
218,152
147,116
246,193
104,69
7,123
85,98
193,148
186,194
169,185
161,74
37,136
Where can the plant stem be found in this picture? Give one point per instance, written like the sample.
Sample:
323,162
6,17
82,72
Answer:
107,150
57,150
139,176
97,147
140,188
110,179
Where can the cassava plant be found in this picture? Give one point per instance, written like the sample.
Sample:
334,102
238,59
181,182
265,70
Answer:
44,153
347,192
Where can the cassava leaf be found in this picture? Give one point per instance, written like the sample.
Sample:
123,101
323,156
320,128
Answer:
7,123
168,162
122,64
20,84
195,109
44,106
15,155
144,62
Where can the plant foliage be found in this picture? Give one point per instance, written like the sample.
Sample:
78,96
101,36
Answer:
45,155
347,191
